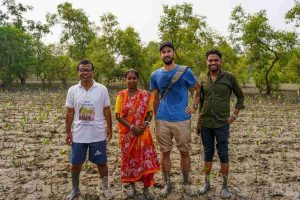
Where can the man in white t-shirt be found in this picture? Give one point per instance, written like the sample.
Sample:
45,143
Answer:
88,109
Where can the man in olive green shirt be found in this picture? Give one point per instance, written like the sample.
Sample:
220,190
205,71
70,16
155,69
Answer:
215,118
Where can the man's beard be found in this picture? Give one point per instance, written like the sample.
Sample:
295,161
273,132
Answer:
214,68
168,62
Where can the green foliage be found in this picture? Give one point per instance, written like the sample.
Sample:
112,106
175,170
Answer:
15,13
77,30
14,17
229,57
64,67
256,50
130,48
16,55
103,50
152,61
20,41
109,29
293,15
242,70
264,46
290,67
192,38
188,32
103,60
45,68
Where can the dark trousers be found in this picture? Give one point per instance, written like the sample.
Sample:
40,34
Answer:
221,135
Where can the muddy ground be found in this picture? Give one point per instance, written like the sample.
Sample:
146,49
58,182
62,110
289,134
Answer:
264,152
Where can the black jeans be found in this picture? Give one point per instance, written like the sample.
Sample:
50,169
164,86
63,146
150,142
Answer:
221,135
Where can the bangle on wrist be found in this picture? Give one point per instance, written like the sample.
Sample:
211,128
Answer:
131,127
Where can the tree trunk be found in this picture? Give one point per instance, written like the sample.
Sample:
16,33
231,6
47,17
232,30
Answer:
22,79
42,79
267,74
43,82
64,82
49,82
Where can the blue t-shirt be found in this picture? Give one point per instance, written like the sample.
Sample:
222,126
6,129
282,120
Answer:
172,107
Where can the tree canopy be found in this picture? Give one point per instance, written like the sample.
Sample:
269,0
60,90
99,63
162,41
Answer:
255,51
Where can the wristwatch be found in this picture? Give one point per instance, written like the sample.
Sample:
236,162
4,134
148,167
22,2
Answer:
195,106
234,116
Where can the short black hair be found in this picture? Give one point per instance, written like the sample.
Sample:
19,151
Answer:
213,51
132,70
166,44
85,62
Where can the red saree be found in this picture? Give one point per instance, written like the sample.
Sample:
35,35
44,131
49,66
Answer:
138,154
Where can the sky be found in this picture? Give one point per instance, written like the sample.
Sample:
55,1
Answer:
144,15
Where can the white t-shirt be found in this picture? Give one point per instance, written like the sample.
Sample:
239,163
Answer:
89,123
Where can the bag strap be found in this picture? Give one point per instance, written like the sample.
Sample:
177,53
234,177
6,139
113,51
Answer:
174,79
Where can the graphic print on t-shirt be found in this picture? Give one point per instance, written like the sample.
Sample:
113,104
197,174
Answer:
87,111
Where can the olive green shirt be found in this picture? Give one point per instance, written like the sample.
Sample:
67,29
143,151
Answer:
216,105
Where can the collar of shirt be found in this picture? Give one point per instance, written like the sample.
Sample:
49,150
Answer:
220,74
94,84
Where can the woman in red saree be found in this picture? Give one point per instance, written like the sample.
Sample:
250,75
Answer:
139,158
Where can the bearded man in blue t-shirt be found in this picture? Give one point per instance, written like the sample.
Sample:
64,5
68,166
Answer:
173,114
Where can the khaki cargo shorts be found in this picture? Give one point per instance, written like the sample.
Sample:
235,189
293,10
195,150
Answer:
181,131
